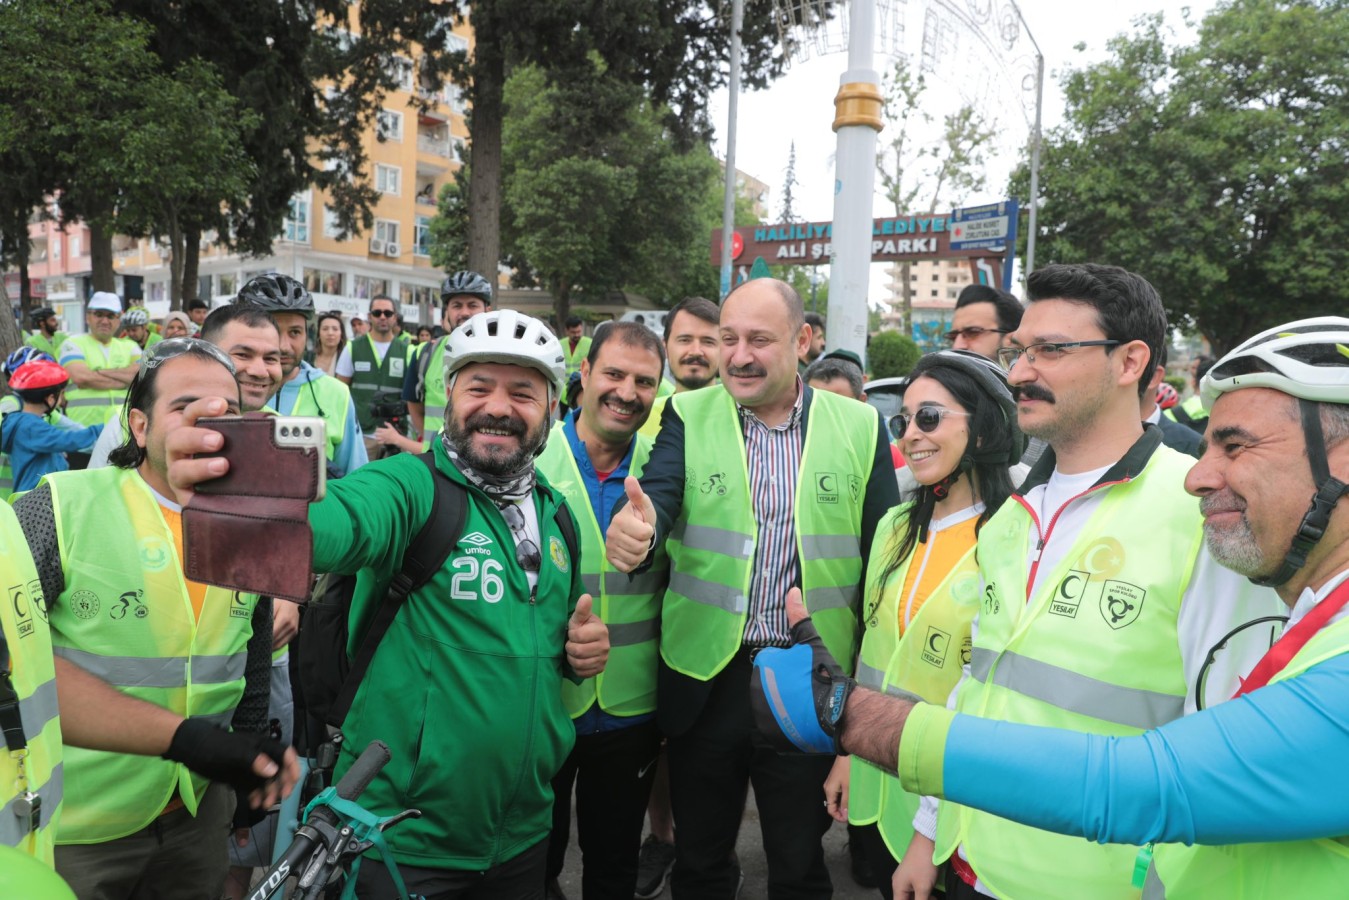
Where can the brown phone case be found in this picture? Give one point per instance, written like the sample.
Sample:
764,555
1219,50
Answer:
249,529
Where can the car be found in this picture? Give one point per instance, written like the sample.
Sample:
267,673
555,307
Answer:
887,395
654,319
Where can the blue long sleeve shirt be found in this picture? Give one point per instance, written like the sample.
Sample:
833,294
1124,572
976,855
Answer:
1267,766
36,447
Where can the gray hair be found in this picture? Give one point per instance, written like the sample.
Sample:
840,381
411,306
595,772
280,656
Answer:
827,369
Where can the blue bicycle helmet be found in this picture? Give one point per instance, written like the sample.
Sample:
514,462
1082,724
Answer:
21,356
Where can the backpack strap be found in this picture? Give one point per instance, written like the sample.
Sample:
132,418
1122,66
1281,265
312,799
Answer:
422,559
567,525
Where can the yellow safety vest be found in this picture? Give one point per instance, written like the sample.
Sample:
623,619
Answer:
925,661
574,357
712,543
630,607
36,769
1315,868
93,407
1094,650
125,616
434,396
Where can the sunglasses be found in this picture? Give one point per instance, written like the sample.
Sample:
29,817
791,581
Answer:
167,349
971,333
526,551
382,314
927,418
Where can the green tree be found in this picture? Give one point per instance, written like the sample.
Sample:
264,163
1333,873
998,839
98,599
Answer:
787,211
915,173
892,355
1216,170
597,195
677,50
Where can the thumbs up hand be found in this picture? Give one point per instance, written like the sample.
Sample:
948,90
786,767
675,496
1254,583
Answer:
587,640
631,529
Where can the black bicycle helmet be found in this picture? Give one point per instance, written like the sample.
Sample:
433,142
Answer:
42,314
466,282
277,294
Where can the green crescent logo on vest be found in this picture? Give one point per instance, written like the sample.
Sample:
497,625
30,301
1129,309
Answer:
1068,595
154,553
826,487
558,554
935,646
22,615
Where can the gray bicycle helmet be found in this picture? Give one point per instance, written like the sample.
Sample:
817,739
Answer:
466,282
135,316
277,294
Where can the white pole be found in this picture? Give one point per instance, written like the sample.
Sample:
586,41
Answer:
728,201
1035,162
857,121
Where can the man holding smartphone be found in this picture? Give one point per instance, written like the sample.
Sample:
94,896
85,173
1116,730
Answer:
107,547
466,687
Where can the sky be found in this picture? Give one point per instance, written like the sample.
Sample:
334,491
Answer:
799,106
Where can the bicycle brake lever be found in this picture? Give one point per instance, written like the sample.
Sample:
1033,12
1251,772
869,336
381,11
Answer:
405,814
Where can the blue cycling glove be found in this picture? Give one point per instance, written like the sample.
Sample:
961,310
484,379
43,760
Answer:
799,693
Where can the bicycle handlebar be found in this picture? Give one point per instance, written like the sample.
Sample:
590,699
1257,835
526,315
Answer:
308,839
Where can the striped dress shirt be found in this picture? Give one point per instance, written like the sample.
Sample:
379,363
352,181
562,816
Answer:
773,456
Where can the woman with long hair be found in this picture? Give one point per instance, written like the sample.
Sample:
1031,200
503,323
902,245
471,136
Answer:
332,337
957,429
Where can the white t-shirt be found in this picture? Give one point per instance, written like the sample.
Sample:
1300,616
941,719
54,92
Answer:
346,368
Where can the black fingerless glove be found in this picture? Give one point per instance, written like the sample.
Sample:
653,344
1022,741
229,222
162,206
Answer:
220,755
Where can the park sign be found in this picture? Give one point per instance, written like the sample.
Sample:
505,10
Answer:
893,239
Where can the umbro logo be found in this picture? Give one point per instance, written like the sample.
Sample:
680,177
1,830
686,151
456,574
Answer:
477,539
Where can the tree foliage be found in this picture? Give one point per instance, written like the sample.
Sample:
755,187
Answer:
1218,170
676,50
918,172
892,355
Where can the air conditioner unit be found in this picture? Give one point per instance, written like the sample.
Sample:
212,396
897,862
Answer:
377,246
392,249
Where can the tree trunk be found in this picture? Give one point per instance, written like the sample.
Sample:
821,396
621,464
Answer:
26,303
484,188
103,277
561,291
191,263
175,264
11,336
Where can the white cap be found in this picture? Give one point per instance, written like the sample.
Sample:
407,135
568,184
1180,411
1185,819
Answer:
105,300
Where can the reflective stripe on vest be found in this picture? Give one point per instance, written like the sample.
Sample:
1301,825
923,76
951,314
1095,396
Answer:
380,374
328,398
1094,650
629,607
1309,868
712,543
433,394
23,626
118,553
91,407
924,662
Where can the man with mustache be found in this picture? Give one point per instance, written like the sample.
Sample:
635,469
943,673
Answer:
466,685
693,349
1101,610
588,456
752,487
1270,479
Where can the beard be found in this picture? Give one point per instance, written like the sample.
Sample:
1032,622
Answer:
1233,545
495,461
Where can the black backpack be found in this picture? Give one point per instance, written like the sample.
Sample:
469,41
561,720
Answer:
324,682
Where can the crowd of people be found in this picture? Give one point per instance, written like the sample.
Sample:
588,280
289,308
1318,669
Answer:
996,635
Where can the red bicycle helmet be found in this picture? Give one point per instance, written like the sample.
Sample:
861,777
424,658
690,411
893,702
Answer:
1167,396
37,379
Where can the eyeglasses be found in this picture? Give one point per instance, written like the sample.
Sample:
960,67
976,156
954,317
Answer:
167,349
1047,352
526,551
971,333
382,314
104,314
927,418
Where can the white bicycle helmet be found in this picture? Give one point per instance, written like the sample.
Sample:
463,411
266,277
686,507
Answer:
135,316
1307,359
507,336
